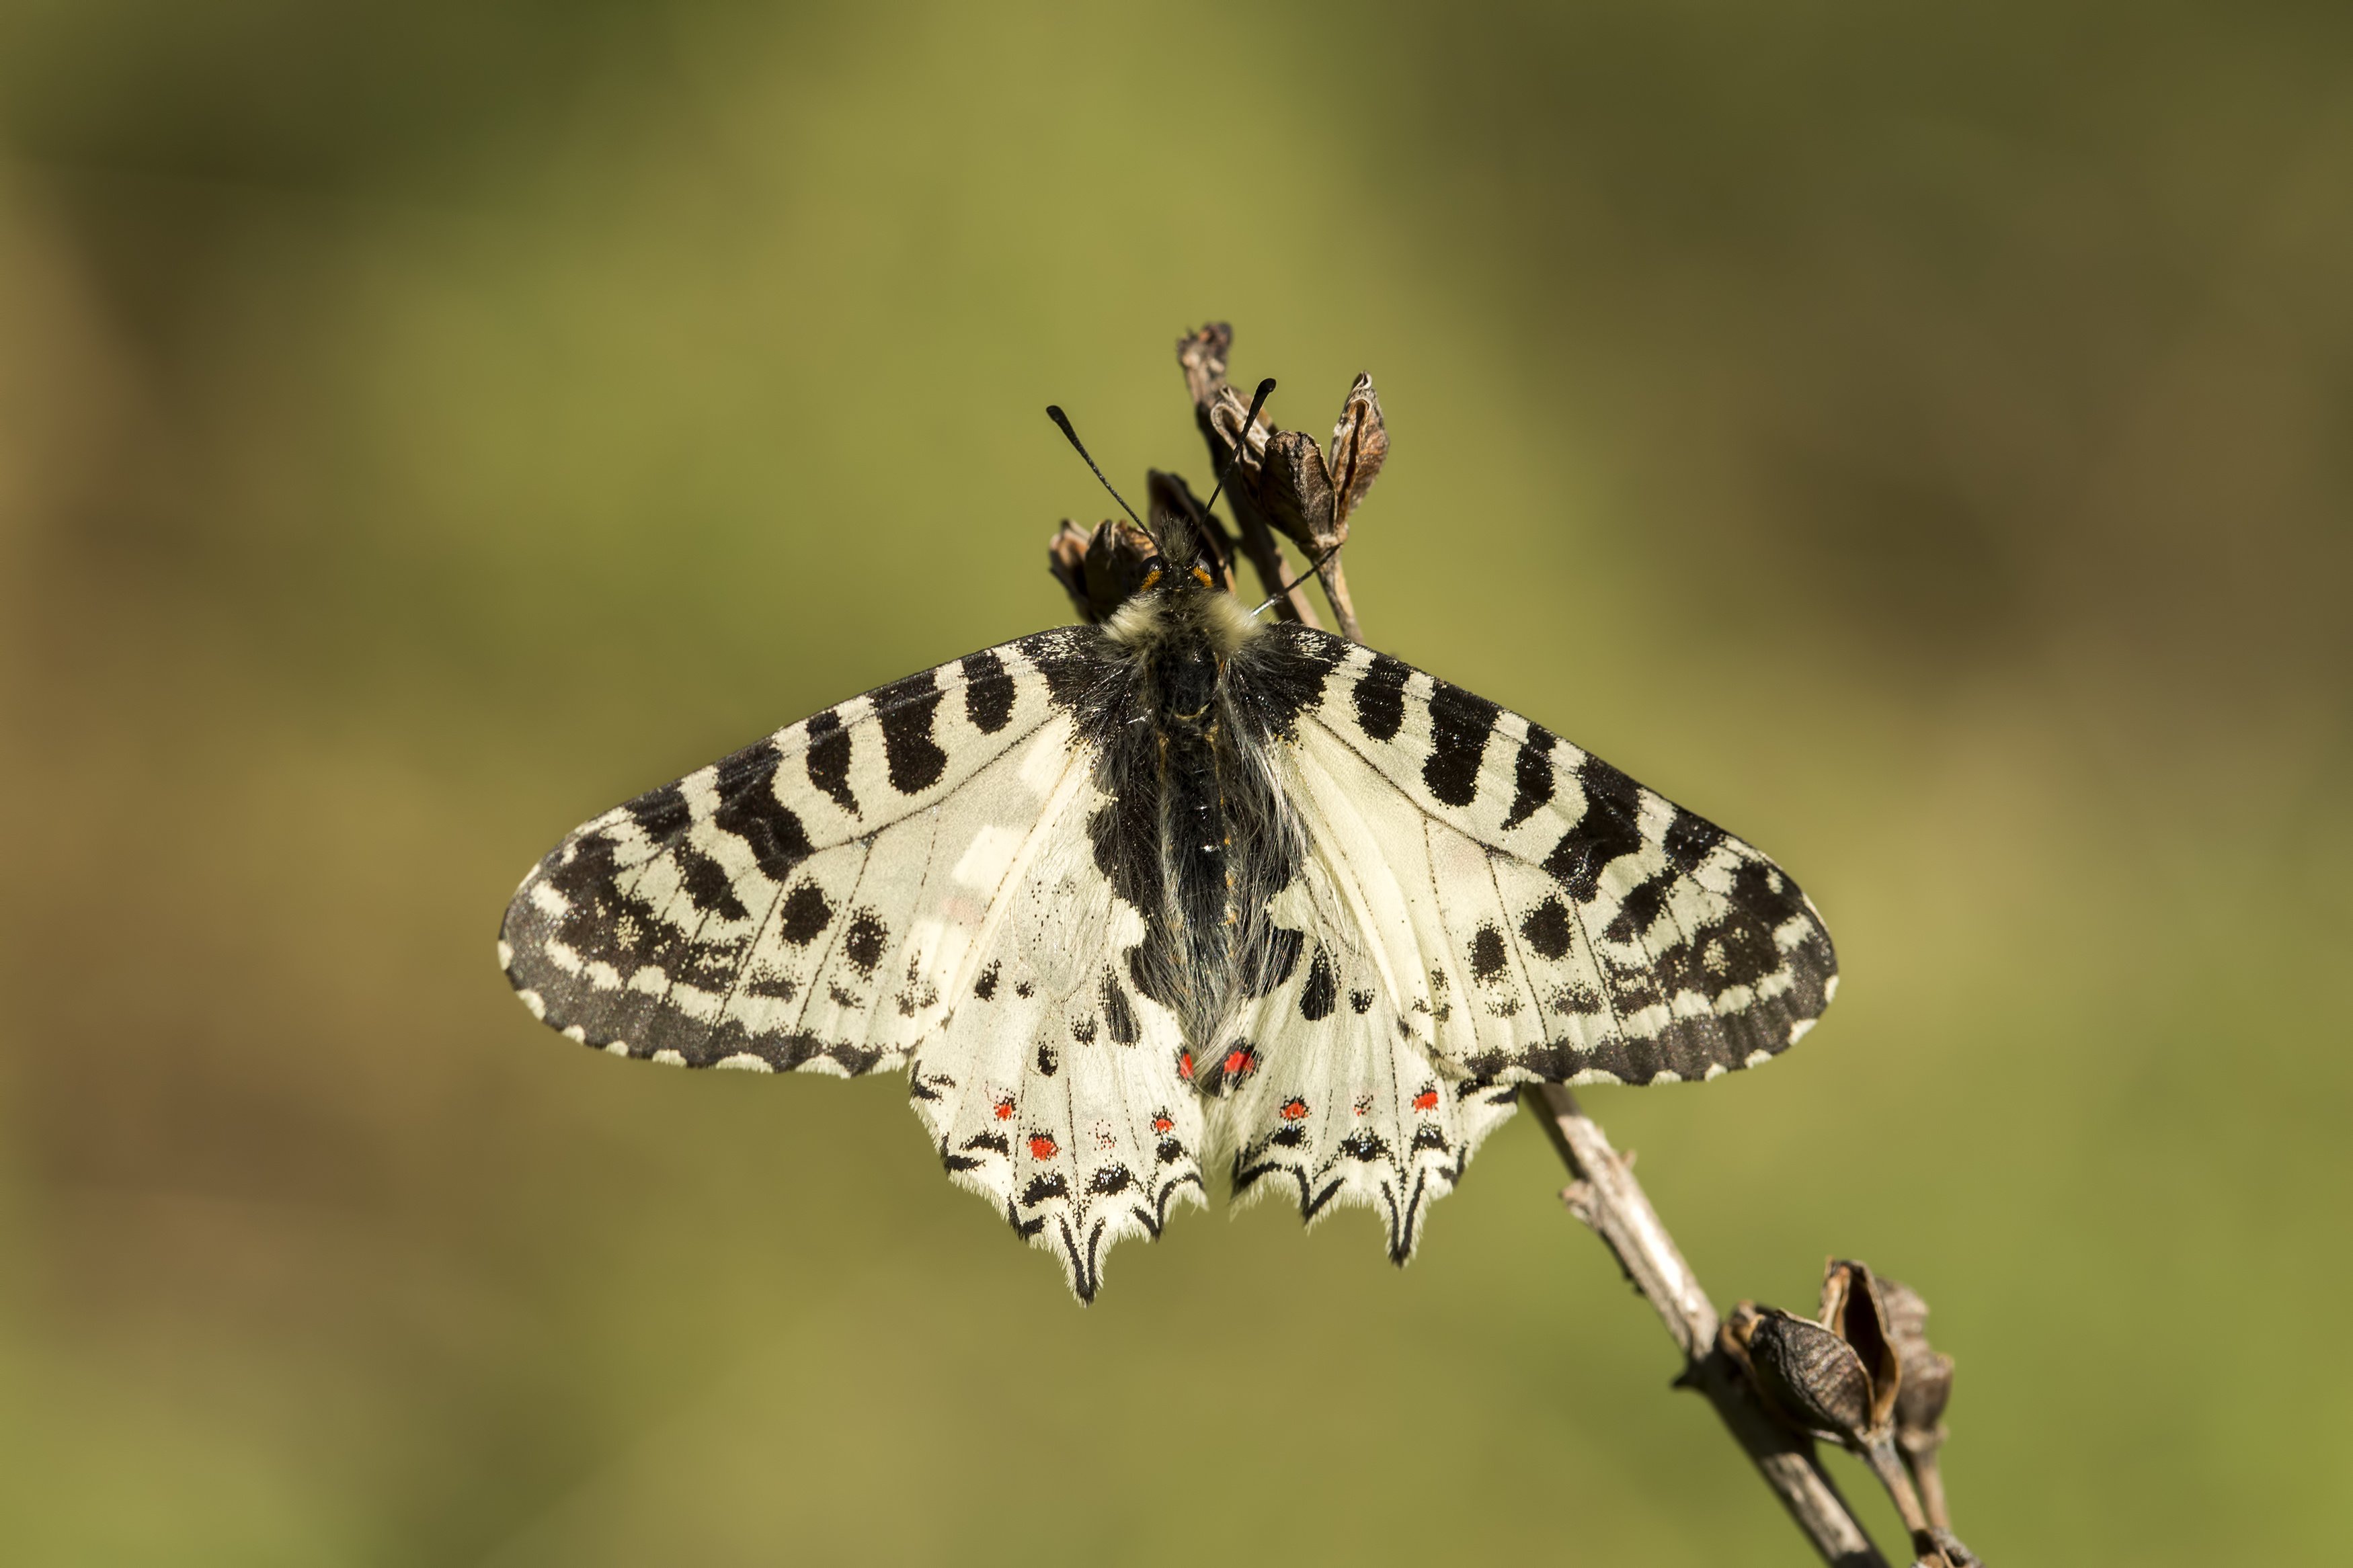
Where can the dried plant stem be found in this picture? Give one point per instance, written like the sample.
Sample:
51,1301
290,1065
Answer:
1336,588
1887,1464
1258,544
1925,1470
1606,1197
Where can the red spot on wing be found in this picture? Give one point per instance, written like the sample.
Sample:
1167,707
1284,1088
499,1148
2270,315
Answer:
1294,1109
1184,1064
1161,1124
1041,1147
1426,1100
1237,1060
1005,1108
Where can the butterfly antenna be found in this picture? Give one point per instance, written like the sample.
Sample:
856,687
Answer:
1242,440
1313,568
1054,411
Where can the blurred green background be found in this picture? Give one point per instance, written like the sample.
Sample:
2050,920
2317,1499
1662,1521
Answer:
1916,440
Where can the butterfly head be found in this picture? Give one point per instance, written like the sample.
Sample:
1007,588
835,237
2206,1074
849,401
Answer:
1182,610
1182,561
1175,575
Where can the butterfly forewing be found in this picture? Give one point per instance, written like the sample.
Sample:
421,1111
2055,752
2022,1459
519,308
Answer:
1559,921
798,903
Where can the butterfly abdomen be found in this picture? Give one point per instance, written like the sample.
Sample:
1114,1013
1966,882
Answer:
1191,833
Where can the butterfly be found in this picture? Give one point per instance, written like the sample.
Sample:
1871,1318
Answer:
1130,900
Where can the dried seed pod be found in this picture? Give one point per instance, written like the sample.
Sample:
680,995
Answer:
1920,1407
1806,1375
1907,1314
1360,444
1927,1373
1853,1309
1066,558
1234,456
1296,491
1308,496
1227,411
1202,356
1099,570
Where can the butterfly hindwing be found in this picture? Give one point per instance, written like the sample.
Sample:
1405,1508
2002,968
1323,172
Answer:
1334,1086
1053,1086
1330,1095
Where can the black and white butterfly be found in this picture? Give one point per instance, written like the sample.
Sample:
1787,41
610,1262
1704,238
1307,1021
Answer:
1184,887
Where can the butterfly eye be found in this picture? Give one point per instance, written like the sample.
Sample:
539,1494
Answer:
1201,575
1152,571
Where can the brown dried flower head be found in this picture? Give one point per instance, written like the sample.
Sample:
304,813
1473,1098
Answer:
1840,1375
1101,568
1806,1375
1305,495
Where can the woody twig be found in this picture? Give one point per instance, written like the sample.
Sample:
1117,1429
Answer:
1606,1197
